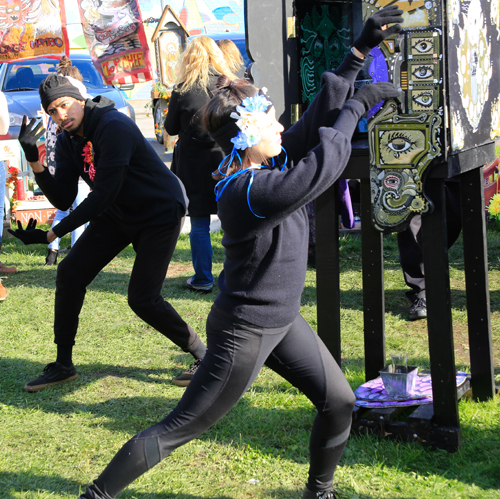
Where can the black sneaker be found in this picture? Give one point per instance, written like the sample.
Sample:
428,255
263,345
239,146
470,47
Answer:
418,310
53,374
328,494
206,288
65,250
184,378
51,258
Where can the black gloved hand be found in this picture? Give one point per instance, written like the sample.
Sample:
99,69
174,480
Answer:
28,135
372,33
370,95
30,235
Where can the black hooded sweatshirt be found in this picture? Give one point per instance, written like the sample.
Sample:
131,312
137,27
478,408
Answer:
131,183
266,258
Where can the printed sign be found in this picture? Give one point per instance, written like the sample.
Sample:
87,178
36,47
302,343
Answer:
32,28
116,40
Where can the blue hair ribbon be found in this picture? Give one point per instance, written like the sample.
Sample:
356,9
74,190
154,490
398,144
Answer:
225,181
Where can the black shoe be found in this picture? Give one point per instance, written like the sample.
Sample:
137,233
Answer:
328,494
184,378
206,288
51,258
53,374
64,251
418,310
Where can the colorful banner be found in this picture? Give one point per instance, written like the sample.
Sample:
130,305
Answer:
116,40
32,28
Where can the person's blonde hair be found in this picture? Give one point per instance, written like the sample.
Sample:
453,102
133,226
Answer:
233,56
200,56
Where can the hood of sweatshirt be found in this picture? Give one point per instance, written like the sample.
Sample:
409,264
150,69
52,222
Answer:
94,109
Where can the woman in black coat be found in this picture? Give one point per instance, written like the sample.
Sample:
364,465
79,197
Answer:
196,155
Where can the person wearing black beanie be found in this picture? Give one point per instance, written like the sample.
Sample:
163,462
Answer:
255,319
134,199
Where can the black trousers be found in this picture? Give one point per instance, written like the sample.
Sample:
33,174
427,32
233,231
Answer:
235,355
410,242
101,241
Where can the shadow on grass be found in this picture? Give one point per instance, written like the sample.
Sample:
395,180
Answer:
396,302
11,484
279,432
45,277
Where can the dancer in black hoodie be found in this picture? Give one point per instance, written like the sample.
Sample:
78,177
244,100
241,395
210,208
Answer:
135,199
256,316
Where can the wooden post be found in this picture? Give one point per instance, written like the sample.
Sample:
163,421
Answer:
327,270
372,244
439,321
477,286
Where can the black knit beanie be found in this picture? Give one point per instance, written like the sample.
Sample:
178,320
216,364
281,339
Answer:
56,86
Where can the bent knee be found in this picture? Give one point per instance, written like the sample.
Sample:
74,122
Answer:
67,273
340,404
140,305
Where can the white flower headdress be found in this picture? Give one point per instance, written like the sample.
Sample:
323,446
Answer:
251,117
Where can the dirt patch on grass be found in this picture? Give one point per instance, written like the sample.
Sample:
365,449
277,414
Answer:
461,341
177,269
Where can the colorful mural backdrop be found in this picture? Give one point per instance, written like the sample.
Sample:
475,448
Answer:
116,40
32,28
199,16
474,65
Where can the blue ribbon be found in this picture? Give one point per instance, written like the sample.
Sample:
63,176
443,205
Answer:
225,181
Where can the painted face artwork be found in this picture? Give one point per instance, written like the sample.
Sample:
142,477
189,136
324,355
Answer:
444,60
407,140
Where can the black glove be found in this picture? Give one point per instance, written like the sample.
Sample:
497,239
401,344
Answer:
373,33
28,135
30,235
370,95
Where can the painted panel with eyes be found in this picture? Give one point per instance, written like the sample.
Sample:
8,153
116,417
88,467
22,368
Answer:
401,147
423,71
423,98
406,137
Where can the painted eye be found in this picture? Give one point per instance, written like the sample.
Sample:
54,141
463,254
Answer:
423,46
424,99
398,143
8,10
423,72
17,8
391,182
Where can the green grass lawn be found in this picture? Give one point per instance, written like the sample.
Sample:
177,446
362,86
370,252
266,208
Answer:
54,442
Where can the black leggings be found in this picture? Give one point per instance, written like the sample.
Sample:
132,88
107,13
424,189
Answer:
235,355
101,241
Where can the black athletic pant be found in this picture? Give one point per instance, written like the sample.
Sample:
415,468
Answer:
235,355
410,242
101,241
